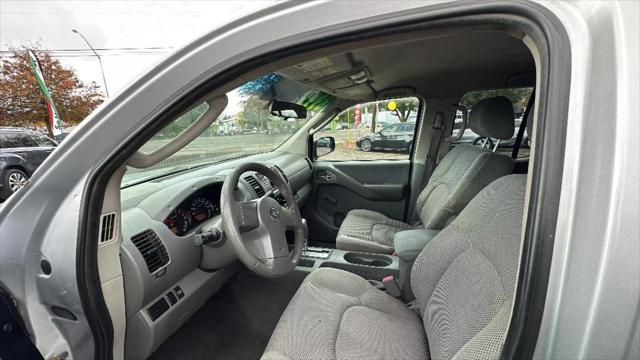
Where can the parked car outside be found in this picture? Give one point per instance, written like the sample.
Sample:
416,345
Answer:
342,125
396,137
21,152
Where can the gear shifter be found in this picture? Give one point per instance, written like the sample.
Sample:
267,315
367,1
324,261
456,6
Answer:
305,230
312,252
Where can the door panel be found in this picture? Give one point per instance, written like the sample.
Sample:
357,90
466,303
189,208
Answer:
40,154
343,186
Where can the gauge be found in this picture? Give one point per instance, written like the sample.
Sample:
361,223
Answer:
202,209
179,222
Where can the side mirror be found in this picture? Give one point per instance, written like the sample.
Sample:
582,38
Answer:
323,146
287,110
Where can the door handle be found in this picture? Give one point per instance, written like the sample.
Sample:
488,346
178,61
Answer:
326,176
330,200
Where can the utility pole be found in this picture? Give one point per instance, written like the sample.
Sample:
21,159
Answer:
104,79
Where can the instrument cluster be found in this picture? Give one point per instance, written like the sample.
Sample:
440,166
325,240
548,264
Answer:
199,207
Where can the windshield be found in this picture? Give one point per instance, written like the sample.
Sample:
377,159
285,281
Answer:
246,127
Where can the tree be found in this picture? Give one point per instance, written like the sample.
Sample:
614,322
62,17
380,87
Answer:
178,125
255,113
404,107
518,96
22,102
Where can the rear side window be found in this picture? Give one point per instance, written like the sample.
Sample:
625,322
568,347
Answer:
16,140
519,98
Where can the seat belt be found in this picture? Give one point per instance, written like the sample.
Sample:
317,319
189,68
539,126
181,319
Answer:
434,148
431,160
523,125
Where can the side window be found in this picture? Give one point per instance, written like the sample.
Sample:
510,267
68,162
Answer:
16,140
378,130
43,141
519,98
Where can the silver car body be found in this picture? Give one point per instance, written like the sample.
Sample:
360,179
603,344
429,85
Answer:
592,303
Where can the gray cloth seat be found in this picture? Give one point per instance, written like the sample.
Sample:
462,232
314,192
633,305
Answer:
464,281
369,231
325,320
459,176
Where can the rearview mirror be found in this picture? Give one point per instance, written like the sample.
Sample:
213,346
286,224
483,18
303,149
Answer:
287,110
323,146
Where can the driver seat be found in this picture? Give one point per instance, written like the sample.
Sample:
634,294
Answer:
464,282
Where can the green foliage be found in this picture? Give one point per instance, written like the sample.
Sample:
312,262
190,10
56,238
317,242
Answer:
178,125
404,107
254,114
518,96
22,103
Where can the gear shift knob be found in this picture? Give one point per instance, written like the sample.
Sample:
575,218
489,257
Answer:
305,232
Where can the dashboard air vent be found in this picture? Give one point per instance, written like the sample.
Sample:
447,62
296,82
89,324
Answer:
255,185
309,163
152,249
284,176
107,227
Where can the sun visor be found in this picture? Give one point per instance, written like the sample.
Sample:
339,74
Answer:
314,70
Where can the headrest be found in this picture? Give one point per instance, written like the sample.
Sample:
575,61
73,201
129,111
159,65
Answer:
493,117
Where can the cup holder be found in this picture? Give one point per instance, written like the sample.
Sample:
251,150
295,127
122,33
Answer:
367,259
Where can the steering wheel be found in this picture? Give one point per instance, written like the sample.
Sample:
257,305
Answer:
256,228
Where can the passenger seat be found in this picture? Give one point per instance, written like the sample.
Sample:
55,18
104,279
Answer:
460,175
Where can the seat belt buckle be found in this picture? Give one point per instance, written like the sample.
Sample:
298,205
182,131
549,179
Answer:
391,285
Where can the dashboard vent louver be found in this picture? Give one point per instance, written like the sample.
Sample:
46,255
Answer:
284,176
309,163
107,227
152,249
255,185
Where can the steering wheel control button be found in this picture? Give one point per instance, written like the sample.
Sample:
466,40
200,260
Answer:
248,216
274,214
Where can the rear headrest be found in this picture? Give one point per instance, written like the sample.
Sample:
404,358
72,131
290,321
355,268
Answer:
493,117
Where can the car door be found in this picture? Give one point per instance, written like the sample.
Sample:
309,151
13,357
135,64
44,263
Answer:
22,145
44,147
387,138
349,178
399,136
404,136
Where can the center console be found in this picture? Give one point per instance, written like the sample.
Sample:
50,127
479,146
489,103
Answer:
376,268
372,267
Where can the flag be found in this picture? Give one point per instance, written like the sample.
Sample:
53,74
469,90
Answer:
55,122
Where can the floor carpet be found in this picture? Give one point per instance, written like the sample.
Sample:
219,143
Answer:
236,323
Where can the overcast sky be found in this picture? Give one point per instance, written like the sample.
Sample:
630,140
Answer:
113,24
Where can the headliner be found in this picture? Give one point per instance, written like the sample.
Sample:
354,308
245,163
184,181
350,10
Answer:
444,64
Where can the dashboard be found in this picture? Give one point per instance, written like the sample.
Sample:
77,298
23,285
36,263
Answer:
199,207
167,275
